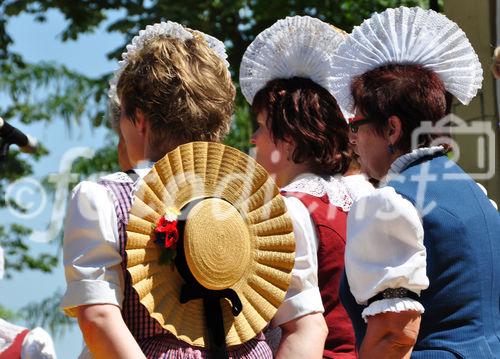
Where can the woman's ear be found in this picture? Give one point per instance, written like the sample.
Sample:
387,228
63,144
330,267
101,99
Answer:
394,130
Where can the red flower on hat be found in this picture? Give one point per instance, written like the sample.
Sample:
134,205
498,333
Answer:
167,235
169,228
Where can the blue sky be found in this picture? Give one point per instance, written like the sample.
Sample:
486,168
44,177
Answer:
41,42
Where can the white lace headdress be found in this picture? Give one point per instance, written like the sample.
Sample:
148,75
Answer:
167,29
299,46
408,36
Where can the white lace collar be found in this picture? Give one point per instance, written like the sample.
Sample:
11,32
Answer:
402,162
314,185
121,177
142,169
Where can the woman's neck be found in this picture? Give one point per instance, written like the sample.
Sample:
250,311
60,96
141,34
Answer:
292,171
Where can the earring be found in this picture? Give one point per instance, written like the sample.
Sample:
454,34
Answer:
390,148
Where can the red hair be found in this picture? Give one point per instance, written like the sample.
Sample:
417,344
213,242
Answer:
411,92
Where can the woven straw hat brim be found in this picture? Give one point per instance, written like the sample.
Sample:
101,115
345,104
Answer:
198,170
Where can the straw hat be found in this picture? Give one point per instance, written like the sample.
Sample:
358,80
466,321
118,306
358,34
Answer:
237,235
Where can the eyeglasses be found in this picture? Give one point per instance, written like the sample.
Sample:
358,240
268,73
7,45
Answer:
356,121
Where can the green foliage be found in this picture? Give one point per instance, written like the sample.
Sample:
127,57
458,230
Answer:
47,314
241,127
48,91
17,252
104,160
71,96
7,314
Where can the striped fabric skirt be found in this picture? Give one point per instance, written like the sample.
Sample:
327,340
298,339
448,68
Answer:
165,346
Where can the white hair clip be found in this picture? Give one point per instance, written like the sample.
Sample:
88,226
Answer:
299,46
408,36
168,29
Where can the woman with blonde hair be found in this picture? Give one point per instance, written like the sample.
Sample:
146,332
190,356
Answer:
174,87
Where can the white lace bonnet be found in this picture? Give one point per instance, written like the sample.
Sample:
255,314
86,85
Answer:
167,29
299,46
408,36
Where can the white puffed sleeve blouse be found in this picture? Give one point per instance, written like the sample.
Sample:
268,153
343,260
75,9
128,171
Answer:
385,245
303,296
92,260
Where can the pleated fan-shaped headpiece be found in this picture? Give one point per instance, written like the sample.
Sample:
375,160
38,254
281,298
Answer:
298,46
408,36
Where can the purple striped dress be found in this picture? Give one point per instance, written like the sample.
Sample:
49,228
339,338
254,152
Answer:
156,342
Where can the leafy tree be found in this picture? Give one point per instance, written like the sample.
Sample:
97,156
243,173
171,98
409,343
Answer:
46,314
44,92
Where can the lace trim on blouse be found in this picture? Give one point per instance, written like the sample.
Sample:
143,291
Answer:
402,162
337,191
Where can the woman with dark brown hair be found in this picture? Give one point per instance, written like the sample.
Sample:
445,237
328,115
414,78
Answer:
422,257
302,141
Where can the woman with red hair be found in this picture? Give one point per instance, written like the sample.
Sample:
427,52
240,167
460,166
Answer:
422,257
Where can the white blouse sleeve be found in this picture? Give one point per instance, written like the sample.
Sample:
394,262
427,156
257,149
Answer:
384,250
92,260
303,296
38,345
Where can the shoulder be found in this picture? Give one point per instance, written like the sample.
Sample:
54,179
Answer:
383,218
383,204
91,193
92,207
119,177
89,187
358,185
312,185
98,190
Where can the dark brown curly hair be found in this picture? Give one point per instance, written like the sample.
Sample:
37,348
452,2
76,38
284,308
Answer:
301,110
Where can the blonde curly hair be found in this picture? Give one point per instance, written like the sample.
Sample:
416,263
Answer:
183,89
